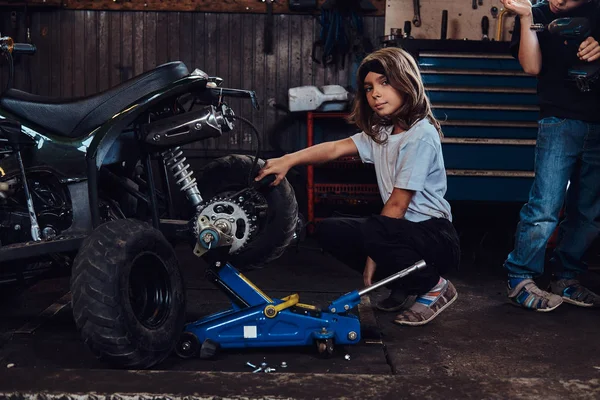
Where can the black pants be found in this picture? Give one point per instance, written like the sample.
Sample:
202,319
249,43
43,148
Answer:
394,244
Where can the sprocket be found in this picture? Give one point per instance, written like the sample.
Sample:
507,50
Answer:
230,217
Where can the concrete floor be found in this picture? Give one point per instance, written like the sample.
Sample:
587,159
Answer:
480,348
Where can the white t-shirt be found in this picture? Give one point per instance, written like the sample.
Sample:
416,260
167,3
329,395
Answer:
411,160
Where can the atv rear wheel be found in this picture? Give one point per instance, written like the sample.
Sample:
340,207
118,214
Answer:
228,175
128,294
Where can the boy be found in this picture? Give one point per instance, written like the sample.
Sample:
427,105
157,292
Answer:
567,151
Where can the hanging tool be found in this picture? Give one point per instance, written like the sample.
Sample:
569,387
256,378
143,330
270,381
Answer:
27,24
485,28
13,21
417,8
444,32
474,5
407,30
500,27
480,2
391,40
269,23
494,12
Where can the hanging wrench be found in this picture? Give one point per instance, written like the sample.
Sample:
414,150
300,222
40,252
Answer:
417,18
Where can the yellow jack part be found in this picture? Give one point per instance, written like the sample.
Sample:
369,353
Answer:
271,311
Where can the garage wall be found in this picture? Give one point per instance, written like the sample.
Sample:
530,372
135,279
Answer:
83,52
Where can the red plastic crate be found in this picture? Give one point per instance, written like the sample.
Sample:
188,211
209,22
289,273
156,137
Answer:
339,193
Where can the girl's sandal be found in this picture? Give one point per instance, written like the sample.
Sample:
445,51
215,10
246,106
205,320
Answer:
420,314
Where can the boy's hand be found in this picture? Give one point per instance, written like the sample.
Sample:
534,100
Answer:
369,272
589,50
520,7
275,166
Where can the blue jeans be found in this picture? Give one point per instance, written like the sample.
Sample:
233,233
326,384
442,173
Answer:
566,151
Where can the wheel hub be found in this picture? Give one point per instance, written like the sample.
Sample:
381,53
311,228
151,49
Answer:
150,291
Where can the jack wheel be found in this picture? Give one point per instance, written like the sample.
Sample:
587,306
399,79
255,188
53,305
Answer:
188,345
325,347
209,349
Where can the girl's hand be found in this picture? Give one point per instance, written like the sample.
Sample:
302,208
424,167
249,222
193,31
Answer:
275,166
369,272
520,7
589,50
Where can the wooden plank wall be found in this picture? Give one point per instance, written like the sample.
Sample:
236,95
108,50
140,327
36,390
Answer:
83,52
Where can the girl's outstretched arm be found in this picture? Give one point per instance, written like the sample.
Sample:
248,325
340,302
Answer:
317,154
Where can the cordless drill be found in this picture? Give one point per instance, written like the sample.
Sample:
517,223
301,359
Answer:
575,30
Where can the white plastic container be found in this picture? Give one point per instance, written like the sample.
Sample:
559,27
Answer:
311,98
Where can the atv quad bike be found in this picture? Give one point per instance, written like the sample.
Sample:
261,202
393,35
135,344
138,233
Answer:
77,187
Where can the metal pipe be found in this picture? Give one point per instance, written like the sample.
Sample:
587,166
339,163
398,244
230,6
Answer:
415,267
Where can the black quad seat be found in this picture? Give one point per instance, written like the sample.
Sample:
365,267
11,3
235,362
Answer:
73,118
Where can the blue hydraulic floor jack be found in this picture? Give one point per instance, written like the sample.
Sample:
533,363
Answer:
257,320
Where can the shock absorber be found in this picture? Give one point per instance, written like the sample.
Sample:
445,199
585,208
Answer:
176,162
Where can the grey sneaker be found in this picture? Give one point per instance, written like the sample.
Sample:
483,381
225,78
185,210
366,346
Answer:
527,295
575,293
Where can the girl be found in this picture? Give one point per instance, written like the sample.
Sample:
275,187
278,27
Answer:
402,139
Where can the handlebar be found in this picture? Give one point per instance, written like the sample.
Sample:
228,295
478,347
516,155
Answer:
7,45
218,92
24,48
7,48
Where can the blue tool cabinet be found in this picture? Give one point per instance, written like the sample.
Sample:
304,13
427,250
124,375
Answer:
488,109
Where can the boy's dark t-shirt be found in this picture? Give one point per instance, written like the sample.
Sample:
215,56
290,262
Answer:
558,96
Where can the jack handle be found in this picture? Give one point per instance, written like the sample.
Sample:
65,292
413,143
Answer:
352,299
407,271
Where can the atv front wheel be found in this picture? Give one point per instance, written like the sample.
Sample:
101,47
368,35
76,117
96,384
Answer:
128,294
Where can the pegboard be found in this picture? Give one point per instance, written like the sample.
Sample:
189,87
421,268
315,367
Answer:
464,22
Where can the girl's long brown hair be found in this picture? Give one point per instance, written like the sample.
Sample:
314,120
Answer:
403,74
